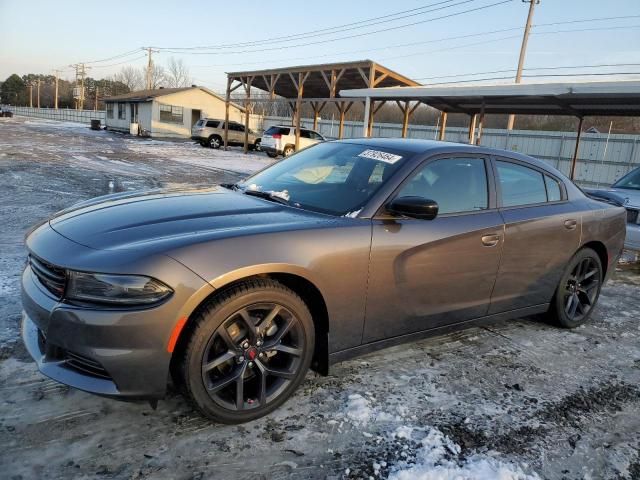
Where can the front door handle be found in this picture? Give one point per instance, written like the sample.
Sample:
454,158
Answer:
490,240
570,224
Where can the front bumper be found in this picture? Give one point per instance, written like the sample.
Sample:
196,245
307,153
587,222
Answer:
632,240
117,352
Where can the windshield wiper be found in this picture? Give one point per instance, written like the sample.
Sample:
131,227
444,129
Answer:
230,186
280,197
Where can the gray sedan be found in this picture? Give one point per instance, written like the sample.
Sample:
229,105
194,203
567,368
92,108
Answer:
341,249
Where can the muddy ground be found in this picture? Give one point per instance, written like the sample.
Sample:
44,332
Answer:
534,399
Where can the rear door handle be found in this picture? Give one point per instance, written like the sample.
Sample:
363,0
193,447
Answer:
570,224
490,240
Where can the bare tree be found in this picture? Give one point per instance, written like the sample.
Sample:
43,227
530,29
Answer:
177,74
131,77
158,75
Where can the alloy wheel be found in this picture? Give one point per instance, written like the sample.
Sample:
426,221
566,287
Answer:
214,142
253,356
581,290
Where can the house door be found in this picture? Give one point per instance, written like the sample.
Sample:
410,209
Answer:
195,116
134,112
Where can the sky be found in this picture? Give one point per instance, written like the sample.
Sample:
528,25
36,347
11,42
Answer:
38,36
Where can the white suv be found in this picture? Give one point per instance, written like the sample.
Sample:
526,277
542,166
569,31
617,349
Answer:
281,140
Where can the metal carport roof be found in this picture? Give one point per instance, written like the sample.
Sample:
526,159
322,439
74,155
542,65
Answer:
620,98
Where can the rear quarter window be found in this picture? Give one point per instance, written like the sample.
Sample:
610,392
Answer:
277,130
213,123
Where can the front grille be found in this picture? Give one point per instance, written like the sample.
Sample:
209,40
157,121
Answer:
632,215
85,365
51,277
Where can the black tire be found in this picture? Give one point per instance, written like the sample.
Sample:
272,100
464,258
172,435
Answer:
272,154
288,150
257,145
578,290
217,359
215,142
202,143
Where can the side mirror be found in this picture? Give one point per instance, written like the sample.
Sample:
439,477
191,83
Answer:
414,207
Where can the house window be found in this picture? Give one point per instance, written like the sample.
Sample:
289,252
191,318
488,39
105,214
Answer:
122,111
170,114
109,110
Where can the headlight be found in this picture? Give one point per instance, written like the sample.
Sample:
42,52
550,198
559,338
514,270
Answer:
115,289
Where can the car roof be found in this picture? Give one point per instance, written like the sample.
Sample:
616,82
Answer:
292,126
420,146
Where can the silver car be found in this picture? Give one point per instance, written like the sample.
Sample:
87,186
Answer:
209,132
626,192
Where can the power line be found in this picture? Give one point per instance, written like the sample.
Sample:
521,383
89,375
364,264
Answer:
115,57
543,75
567,67
318,42
332,30
121,63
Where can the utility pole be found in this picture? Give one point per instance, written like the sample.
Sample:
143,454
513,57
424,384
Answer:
95,105
81,71
149,82
57,72
523,50
30,95
38,94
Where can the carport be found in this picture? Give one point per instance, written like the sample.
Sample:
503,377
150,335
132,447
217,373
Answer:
619,98
318,86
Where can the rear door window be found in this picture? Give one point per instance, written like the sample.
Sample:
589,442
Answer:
277,131
213,123
520,185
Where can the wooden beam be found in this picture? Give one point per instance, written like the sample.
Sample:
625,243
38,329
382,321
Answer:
380,105
405,120
227,101
402,106
480,125
365,120
364,76
415,107
472,128
574,160
379,79
300,86
443,126
246,114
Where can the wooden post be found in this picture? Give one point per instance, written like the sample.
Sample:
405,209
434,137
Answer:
574,160
247,88
314,105
38,93
95,105
480,124
227,101
298,108
405,118
443,126
365,120
341,121
472,128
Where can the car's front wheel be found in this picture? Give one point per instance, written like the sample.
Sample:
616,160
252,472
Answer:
578,290
215,142
288,150
250,348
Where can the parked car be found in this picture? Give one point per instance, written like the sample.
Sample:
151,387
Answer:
626,193
5,112
281,140
341,249
209,132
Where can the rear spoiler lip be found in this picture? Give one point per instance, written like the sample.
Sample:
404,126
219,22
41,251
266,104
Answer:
612,198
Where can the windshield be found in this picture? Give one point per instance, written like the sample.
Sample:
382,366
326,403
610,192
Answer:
333,178
631,180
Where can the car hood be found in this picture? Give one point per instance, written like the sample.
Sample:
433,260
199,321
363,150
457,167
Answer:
163,219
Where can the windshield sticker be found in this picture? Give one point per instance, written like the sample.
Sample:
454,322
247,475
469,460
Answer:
381,156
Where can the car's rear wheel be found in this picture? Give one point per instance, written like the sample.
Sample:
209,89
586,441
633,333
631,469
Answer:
257,145
250,349
288,150
272,154
578,291
215,141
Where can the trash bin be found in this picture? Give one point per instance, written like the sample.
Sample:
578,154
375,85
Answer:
95,124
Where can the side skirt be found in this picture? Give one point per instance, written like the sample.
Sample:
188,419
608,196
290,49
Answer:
343,355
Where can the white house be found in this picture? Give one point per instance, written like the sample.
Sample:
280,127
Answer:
166,112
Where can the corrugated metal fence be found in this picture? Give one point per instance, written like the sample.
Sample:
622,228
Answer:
61,114
595,166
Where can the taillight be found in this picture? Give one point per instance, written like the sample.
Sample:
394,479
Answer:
276,135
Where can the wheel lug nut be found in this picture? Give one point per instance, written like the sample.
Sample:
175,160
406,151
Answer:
245,344
259,342
240,359
250,364
261,355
